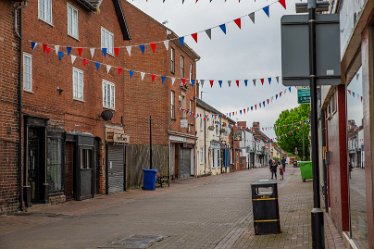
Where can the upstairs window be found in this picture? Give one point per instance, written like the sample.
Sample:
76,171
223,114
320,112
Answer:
172,60
45,10
78,84
109,93
73,21
181,64
191,70
172,104
107,41
27,72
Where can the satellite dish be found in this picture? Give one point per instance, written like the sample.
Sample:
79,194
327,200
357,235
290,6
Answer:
107,115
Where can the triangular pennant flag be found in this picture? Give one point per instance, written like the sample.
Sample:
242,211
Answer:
252,16
68,50
57,48
259,105
349,91
229,83
211,83
33,45
254,82
163,78
73,57
238,21
48,50
184,81
202,83
45,46
85,62
153,77
192,82
131,72
119,70
237,82
194,36
92,51
80,51
283,3
153,47
269,79
97,65
104,51
246,82
108,67
262,81
354,94
277,78
268,101
266,9
209,33
276,96
172,80
223,28
116,51
181,41
220,83
142,75
60,55
128,48
142,48
166,44
251,108
290,89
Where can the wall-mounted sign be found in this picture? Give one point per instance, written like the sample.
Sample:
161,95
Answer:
184,123
177,139
303,95
121,138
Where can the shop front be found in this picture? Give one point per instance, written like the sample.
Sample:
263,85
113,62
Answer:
182,160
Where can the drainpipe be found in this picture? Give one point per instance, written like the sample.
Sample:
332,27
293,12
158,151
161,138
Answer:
18,33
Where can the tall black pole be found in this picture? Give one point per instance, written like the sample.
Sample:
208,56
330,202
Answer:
318,240
150,142
302,127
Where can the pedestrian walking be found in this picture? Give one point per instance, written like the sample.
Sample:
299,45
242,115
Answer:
273,169
284,163
281,171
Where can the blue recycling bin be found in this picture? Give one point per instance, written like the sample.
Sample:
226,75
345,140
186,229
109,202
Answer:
150,176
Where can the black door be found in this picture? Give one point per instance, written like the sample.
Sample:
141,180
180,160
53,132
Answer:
68,171
35,164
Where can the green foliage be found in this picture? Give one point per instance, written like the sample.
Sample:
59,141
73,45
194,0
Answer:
290,128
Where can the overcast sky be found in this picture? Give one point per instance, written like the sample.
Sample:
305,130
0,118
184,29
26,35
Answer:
252,52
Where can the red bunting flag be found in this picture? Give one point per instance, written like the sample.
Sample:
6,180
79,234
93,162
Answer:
262,81
211,83
237,82
153,47
238,22
119,71
116,51
153,76
184,81
80,51
283,3
194,36
268,101
85,62
45,46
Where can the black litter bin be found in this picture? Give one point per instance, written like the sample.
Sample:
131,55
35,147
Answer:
265,207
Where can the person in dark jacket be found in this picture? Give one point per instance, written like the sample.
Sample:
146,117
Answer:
284,163
273,169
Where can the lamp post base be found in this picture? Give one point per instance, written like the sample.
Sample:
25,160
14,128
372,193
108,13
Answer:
318,239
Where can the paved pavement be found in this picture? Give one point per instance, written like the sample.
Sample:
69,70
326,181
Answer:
209,212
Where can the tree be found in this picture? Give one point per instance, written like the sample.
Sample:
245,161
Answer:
291,128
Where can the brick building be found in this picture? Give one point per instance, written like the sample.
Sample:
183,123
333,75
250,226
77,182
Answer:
10,162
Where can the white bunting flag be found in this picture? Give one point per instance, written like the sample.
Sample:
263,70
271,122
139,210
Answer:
142,74
202,83
129,50
57,48
166,43
252,17
172,80
108,67
92,51
73,57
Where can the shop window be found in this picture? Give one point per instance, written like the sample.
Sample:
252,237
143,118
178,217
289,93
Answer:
54,164
86,158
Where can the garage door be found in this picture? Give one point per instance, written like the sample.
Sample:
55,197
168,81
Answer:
185,163
116,167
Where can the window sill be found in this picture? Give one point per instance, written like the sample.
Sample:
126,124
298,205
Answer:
28,91
79,100
109,108
50,24
73,37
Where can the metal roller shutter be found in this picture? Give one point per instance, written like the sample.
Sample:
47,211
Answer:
115,168
185,163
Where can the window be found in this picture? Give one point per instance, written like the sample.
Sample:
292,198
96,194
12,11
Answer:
191,105
201,124
45,10
73,21
109,92
27,72
107,40
182,66
201,155
172,60
54,164
217,130
78,84
86,158
191,70
183,107
172,104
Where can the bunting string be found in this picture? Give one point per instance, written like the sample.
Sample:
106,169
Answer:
355,95
153,45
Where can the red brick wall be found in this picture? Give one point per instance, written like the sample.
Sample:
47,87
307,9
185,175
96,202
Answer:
9,191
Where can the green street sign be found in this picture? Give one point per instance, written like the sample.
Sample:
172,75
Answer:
303,96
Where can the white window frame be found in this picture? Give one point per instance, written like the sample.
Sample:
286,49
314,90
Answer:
73,27
45,6
172,60
109,102
106,35
27,75
172,104
78,84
